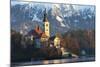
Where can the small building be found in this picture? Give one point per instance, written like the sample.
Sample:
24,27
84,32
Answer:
57,41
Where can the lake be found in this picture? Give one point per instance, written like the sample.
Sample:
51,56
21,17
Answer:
57,61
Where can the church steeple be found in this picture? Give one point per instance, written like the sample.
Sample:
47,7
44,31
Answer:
46,24
45,16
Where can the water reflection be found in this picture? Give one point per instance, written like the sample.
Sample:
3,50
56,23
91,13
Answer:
57,61
45,62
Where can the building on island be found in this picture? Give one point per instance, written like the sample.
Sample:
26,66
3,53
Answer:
40,35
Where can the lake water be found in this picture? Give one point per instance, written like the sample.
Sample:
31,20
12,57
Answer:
58,61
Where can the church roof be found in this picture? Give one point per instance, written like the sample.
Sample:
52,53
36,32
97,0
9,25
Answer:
44,35
45,16
37,32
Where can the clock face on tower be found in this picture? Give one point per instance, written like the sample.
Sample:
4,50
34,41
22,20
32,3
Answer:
46,24
46,29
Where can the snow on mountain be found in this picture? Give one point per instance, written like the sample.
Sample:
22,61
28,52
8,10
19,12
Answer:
35,18
61,17
60,21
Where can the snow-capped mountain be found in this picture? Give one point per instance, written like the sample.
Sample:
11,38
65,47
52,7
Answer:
62,17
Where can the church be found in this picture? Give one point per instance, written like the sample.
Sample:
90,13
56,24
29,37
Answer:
40,35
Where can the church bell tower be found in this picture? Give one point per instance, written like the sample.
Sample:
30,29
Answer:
46,24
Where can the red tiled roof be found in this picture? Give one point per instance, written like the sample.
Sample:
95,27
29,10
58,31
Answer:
38,30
